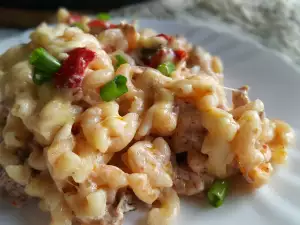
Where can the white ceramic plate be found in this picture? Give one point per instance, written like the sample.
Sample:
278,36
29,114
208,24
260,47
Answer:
272,79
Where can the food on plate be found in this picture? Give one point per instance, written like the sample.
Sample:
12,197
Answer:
96,116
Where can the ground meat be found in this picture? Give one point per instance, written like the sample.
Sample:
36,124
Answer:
115,214
4,110
115,211
23,153
11,188
131,35
240,98
189,133
187,182
199,57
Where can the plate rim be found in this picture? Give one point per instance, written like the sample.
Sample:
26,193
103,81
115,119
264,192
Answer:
221,29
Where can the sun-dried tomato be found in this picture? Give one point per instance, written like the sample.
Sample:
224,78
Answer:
167,37
102,24
71,73
156,58
180,54
74,18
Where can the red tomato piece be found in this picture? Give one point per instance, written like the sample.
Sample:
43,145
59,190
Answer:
71,73
167,37
180,54
101,24
156,58
74,18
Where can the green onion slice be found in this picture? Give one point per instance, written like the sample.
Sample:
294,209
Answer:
120,60
217,193
40,77
79,25
43,61
114,89
103,16
166,68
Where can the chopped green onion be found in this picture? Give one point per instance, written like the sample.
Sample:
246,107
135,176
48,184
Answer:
217,193
120,60
43,61
79,25
166,68
114,89
103,16
40,77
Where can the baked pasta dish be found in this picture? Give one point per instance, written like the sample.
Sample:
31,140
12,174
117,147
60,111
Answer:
97,116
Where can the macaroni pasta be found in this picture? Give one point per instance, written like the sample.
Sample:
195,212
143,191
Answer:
122,121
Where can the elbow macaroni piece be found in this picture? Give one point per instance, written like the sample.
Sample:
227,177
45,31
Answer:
89,207
66,164
15,133
244,143
222,128
142,188
61,215
99,72
131,35
153,159
62,161
268,130
219,123
39,186
135,96
90,158
92,82
280,138
284,134
19,173
260,175
161,118
253,158
170,207
37,161
42,186
151,80
47,125
106,130
109,175
24,106
17,79
194,87
113,39
61,39
257,105
96,202
220,156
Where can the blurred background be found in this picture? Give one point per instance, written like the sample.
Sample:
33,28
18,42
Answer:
273,23
28,13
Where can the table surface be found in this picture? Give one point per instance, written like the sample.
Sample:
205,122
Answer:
275,24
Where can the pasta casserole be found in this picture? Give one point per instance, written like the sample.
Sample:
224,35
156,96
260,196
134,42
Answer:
96,116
